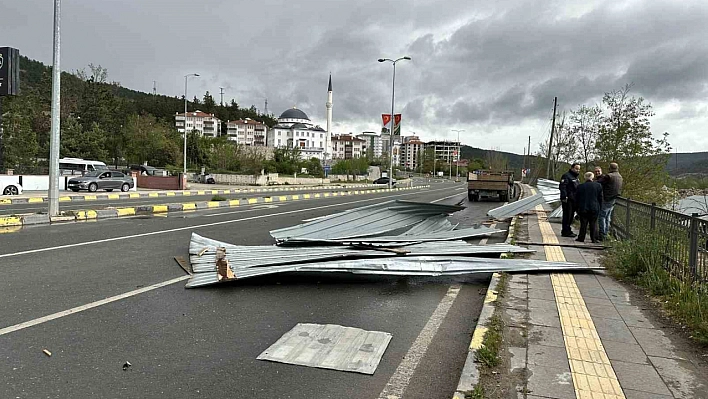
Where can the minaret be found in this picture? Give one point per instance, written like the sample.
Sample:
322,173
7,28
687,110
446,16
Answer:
328,138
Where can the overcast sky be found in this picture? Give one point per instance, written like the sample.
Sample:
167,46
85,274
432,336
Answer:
491,68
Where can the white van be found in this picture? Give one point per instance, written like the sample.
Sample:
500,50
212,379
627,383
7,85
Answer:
78,166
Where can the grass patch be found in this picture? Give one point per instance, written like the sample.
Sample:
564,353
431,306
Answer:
488,354
218,198
476,393
641,260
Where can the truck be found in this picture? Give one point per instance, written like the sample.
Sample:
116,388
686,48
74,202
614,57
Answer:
487,183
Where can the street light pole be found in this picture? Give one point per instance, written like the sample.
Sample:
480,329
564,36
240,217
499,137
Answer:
184,164
56,115
393,116
459,147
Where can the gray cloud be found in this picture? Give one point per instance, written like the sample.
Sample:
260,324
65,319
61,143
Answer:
491,68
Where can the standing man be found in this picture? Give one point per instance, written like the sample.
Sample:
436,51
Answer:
611,189
568,186
598,173
589,201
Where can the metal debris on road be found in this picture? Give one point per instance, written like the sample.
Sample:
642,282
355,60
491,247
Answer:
330,346
47,352
556,215
549,189
126,366
385,219
517,207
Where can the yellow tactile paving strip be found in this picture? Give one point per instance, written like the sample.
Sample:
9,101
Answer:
592,373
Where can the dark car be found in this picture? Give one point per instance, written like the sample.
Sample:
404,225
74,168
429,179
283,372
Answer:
101,180
384,180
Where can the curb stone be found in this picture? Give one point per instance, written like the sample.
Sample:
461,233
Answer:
89,214
174,193
470,372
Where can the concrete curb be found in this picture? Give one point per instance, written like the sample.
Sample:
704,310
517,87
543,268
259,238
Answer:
470,372
158,194
89,214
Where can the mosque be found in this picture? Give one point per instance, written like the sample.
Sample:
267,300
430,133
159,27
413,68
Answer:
295,129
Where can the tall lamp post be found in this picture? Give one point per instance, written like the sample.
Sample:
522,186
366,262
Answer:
184,160
459,147
54,143
393,117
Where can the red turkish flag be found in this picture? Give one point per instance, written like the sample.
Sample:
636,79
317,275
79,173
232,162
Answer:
386,119
396,119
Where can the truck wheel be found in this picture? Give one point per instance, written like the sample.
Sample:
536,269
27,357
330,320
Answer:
470,197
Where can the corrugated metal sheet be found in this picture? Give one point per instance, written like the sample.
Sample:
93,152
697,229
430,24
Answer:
404,266
556,215
331,347
387,218
398,239
203,253
549,189
515,208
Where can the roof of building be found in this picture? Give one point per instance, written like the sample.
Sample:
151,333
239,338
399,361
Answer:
293,113
197,113
247,121
346,137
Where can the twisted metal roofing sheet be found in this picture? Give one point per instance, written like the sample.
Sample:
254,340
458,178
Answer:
515,208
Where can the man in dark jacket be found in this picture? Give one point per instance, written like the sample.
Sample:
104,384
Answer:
611,189
568,186
589,202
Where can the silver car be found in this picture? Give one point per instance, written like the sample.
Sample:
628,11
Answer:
101,180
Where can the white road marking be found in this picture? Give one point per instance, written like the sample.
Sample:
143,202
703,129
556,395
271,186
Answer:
450,196
152,233
397,384
88,306
483,241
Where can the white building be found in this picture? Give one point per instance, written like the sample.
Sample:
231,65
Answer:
206,124
346,146
247,132
446,151
411,152
374,144
385,143
294,129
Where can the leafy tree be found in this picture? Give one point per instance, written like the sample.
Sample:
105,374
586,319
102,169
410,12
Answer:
209,103
285,161
79,143
19,140
314,167
584,126
496,161
224,154
151,141
625,137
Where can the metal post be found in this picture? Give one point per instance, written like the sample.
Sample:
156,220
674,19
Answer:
693,248
459,148
56,116
184,160
449,161
393,127
550,142
652,222
626,219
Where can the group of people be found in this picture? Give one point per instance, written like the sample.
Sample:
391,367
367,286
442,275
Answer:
592,200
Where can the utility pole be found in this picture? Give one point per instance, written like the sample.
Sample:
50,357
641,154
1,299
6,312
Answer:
221,91
154,87
266,106
550,142
56,122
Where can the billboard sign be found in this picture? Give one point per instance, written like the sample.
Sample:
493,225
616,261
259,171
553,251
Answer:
9,71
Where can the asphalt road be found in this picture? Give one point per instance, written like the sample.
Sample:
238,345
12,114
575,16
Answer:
204,342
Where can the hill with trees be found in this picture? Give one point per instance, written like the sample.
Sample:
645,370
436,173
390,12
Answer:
105,121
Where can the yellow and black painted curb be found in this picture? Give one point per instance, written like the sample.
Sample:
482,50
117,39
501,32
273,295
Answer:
91,214
175,193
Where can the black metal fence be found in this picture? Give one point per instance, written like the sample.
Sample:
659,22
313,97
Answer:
684,238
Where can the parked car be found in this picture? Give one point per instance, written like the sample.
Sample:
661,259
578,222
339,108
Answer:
100,180
146,170
10,188
384,180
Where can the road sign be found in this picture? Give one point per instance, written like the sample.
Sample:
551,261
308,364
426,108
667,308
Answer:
9,71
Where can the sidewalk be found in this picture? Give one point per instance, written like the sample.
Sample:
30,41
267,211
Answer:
585,335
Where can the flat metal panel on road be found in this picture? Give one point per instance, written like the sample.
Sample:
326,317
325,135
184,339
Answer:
330,346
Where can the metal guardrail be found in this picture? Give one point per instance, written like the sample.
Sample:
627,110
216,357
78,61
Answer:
684,238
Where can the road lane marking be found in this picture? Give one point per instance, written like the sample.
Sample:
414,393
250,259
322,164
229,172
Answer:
88,306
152,233
397,384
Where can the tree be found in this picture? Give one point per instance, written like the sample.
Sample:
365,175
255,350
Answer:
19,140
585,126
151,141
77,143
224,154
209,103
314,167
496,161
285,161
625,137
